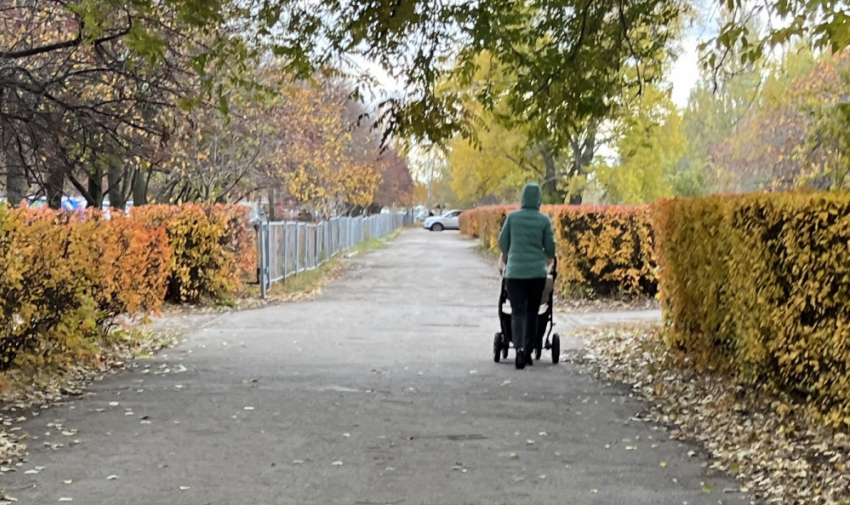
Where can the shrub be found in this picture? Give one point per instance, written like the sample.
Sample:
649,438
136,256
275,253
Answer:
213,248
605,250
469,223
761,284
64,277
130,266
602,250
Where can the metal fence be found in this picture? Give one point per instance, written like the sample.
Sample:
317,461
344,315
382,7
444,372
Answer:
287,248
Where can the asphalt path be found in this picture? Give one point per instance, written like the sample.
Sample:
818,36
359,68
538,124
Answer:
381,391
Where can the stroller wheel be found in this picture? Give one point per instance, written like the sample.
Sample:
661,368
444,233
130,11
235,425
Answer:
497,348
556,348
506,346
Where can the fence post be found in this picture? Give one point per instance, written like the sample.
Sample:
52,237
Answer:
297,246
264,262
284,252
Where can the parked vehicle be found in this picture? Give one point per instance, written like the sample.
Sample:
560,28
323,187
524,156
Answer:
447,221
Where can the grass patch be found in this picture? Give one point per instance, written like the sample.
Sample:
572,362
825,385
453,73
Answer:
308,283
229,303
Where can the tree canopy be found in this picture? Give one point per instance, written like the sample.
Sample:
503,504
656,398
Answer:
98,93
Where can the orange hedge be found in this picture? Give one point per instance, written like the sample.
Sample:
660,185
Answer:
65,277
602,250
468,221
214,248
761,284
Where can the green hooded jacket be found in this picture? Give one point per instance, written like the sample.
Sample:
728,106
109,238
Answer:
527,238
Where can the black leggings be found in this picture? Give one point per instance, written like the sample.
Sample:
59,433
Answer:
525,296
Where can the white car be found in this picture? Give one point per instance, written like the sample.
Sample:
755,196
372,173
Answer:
447,221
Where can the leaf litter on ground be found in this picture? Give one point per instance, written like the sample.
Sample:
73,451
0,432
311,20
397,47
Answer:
772,446
30,391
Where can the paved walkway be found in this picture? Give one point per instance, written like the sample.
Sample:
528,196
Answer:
381,392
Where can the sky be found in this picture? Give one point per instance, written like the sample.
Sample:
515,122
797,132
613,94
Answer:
685,71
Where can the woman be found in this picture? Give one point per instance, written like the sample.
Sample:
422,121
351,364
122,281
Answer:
528,243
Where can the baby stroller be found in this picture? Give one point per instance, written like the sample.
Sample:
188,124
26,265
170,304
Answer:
545,322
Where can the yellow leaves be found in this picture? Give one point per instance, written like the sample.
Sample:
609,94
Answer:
80,271
751,282
213,248
602,251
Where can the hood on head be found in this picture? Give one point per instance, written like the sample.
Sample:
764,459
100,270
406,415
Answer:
532,196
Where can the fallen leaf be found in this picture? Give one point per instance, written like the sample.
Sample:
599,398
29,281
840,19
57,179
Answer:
112,477
337,463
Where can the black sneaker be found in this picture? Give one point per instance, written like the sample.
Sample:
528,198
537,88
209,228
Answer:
520,360
528,360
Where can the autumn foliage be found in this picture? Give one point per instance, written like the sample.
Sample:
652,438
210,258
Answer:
602,250
759,284
213,248
66,277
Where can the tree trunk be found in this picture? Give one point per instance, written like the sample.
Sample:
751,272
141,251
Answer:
116,195
140,188
12,162
582,158
272,213
55,188
95,189
17,186
550,176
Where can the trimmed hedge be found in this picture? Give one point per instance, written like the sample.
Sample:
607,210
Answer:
605,250
213,248
760,284
66,277
602,250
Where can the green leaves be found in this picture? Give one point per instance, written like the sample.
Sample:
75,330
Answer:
650,145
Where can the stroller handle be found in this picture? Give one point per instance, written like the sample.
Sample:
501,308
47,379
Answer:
553,271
